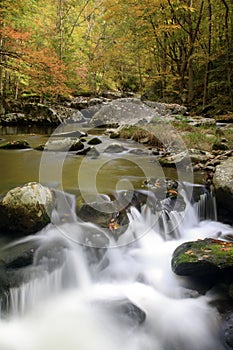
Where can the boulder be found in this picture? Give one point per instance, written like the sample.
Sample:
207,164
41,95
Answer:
115,147
223,183
220,146
94,141
25,210
41,114
123,310
180,159
164,109
18,144
82,102
209,259
92,152
104,213
13,118
199,156
72,133
200,121
20,254
64,145
123,111
227,333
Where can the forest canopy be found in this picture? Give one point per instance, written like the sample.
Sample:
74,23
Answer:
167,50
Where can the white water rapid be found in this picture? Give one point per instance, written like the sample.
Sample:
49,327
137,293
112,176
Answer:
77,299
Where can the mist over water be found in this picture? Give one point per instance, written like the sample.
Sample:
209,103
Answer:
71,301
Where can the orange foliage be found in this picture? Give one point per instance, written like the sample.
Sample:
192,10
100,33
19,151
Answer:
46,72
43,70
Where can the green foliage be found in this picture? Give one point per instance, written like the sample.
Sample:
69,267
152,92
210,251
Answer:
172,50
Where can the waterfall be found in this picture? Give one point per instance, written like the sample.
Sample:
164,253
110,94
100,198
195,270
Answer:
68,299
206,206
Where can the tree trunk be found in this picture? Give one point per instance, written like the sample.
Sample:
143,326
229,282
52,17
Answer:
60,29
228,53
207,69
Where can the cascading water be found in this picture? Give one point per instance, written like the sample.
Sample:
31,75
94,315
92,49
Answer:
72,300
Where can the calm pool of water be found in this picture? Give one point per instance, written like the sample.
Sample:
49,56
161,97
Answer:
70,172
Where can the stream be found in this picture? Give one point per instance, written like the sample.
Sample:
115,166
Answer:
84,294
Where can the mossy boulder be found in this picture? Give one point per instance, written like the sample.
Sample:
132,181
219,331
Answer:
209,258
25,210
17,144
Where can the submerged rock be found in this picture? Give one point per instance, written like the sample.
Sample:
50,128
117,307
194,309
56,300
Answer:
209,259
63,145
25,210
123,310
92,152
94,141
115,147
73,133
18,144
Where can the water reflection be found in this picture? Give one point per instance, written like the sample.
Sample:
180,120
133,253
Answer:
63,170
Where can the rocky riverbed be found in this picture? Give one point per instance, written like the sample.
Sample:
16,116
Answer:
31,208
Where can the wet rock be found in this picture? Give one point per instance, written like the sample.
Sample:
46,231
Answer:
173,202
220,146
73,133
84,151
123,310
139,151
82,102
223,182
13,119
18,144
19,255
115,148
51,253
94,141
40,147
167,108
25,210
76,117
92,153
41,114
104,213
166,194
90,111
200,121
161,186
227,330
181,159
114,135
199,156
209,259
64,145
155,151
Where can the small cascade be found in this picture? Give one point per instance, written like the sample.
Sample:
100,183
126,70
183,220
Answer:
55,268
206,206
63,304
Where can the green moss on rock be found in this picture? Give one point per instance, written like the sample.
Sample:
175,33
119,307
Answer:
203,257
